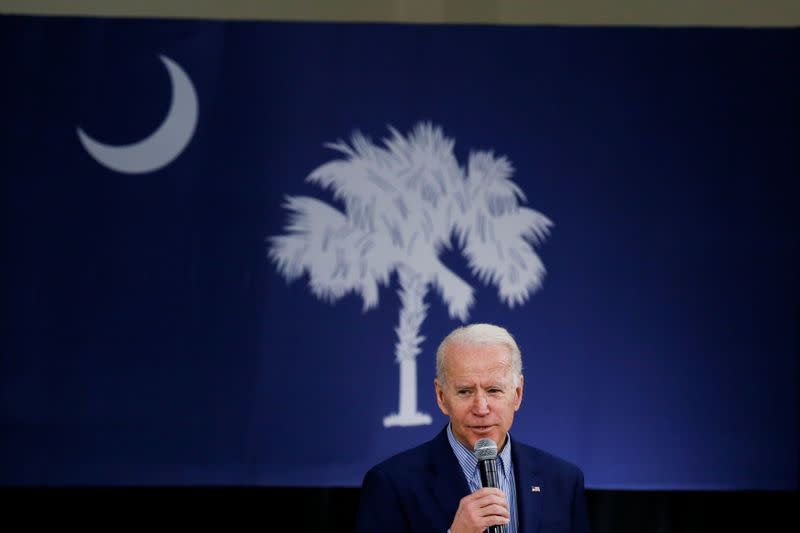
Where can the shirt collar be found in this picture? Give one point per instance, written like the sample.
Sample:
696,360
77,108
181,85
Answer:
467,460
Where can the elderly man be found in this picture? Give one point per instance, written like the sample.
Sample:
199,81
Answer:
437,487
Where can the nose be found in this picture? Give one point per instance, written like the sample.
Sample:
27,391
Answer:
480,405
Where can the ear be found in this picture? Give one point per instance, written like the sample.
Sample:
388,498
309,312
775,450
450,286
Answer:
518,393
440,396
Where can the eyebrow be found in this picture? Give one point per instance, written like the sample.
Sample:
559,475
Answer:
489,386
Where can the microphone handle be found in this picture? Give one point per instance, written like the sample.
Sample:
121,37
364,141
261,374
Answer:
490,478
489,475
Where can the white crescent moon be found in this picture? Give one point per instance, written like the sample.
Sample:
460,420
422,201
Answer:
164,144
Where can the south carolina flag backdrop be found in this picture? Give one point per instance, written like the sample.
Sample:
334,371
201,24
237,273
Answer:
231,247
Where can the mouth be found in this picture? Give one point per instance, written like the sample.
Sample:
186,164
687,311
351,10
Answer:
481,430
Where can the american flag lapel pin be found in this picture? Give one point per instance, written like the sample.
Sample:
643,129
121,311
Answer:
535,488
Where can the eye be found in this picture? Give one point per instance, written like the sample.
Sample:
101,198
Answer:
463,392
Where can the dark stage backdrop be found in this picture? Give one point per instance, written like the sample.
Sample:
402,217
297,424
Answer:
231,248
334,509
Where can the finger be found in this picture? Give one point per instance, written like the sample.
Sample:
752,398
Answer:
489,490
489,493
490,499
495,510
488,521
484,520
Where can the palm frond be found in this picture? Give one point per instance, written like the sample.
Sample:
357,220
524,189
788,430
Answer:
457,293
365,181
490,176
339,257
531,224
424,140
366,168
499,251
429,180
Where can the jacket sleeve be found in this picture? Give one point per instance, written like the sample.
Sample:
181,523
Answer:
380,509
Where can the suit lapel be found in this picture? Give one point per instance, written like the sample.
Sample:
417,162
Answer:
530,485
448,479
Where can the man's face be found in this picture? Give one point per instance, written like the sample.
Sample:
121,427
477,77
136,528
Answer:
478,393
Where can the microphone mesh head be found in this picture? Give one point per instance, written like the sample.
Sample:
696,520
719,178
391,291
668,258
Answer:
485,449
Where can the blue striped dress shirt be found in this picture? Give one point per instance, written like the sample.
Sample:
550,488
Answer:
506,470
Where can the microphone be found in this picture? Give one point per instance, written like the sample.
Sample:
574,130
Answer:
486,454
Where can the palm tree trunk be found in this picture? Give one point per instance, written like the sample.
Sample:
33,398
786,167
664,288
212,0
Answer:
412,312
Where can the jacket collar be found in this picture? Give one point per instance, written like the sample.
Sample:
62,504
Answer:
448,478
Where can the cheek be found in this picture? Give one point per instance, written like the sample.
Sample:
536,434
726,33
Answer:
510,407
453,406
460,409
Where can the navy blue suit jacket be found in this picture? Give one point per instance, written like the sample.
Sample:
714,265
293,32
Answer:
420,489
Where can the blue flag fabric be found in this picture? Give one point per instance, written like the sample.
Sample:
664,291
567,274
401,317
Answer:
231,248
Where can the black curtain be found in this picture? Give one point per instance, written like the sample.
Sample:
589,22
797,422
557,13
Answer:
334,509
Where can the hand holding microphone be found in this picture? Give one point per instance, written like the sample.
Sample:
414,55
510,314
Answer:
486,454
485,509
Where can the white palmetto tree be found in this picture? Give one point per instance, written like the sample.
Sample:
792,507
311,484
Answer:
404,202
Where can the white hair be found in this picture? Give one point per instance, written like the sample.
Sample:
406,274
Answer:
480,335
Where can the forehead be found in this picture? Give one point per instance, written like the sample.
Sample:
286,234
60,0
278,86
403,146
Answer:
462,359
